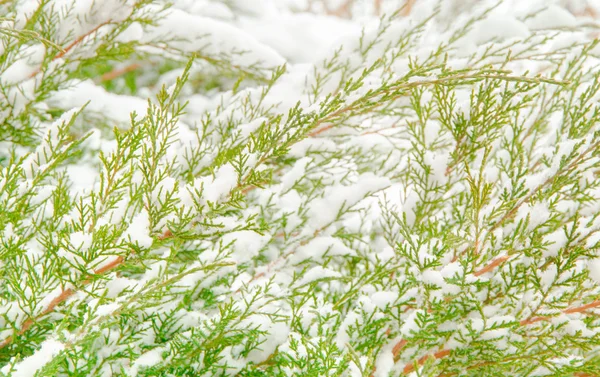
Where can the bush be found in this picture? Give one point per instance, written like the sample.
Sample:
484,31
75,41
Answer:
422,199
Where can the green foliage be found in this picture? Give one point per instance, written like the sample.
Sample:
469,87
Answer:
406,205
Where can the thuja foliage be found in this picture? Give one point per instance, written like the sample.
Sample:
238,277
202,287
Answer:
178,200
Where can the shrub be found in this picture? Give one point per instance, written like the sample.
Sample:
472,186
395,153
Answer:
422,199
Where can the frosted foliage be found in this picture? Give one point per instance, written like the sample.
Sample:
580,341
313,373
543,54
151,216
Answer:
299,188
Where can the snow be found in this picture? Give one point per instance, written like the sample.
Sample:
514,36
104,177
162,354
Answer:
215,189
313,35
593,239
557,240
536,214
31,364
164,189
247,129
317,273
207,9
552,17
81,241
74,258
548,276
103,310
277,335
356,369
146,359
316,249
340,197
88,14
342,336
498,28
385,360
384,298
246,244
494,334
303,147
577,326
332,244
409,206
190,32
594,269
438,164
25,67
82,177
36,161
117,107
433,277
134,32
451,270
289,179
410,325
116,285
138,231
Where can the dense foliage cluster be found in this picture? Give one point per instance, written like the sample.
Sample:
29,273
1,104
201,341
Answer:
299,188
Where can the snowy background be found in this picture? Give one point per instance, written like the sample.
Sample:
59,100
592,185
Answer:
287,254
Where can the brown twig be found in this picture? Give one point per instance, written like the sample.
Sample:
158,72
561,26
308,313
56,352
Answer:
398,347
79,39
71,45
318,131
493,264
65,294
377,6
407,7
62,297
577,309
165,235
343,11
445,352
582,308
119,72
437,355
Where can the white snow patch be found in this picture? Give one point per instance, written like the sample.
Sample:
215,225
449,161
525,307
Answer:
594,270
498,28
138,231
317,273
552,17
246,244
31,364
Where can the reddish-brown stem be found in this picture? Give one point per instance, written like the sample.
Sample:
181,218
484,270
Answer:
78,40
377,5
398,347
438,355
493,264
70,46
578,309
582,308
64,296
119,72
407,7
320,130
165,235
445,352
343,10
